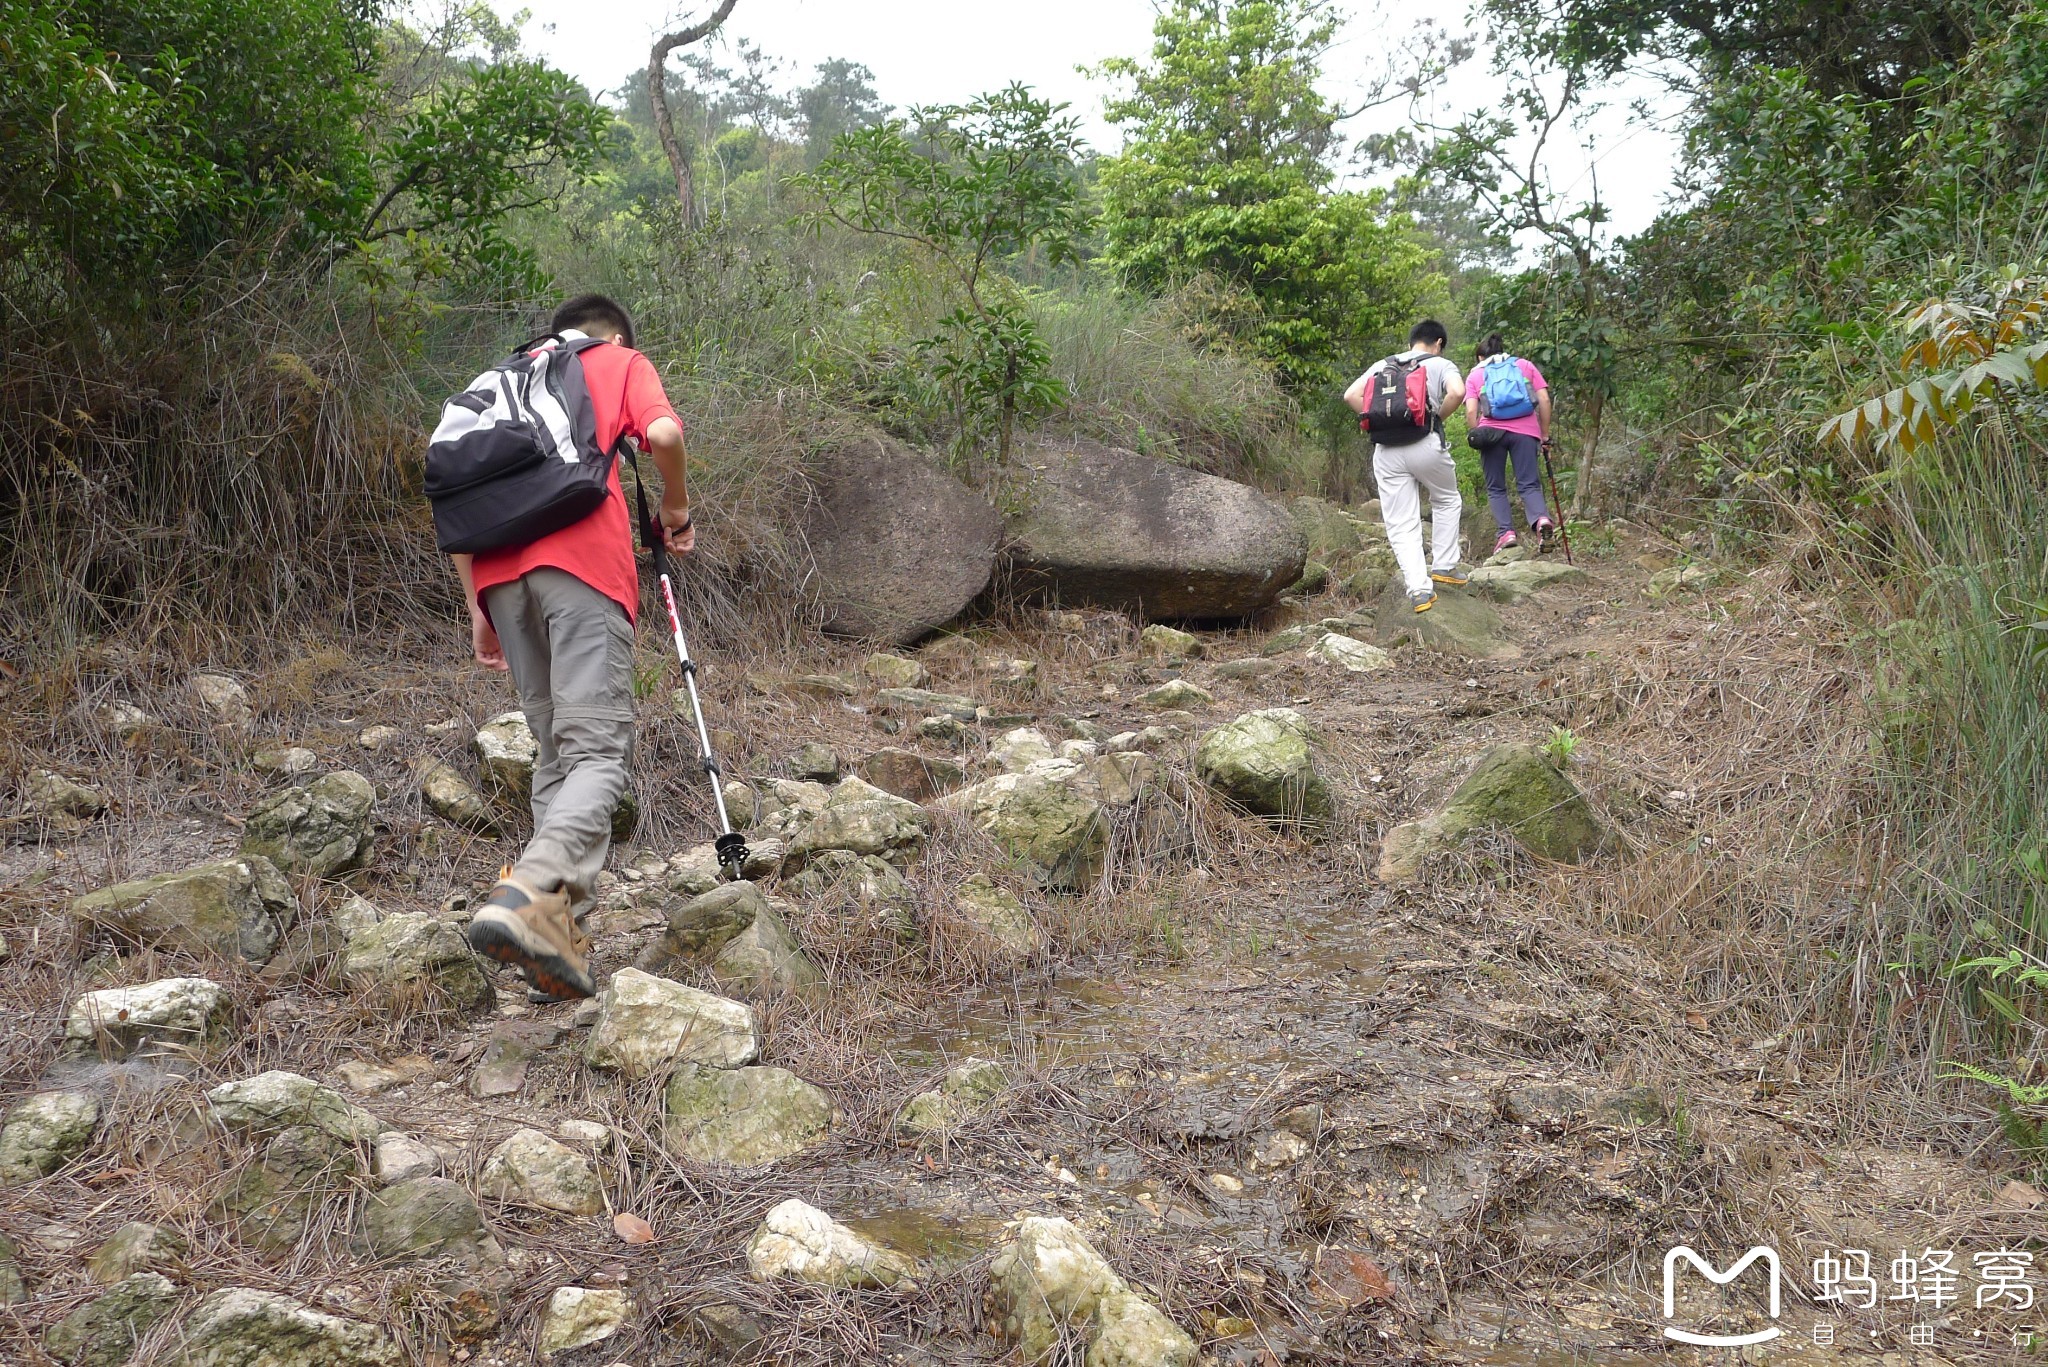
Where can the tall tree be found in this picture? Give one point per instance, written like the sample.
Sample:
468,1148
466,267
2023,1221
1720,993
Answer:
841,99
679,155
1226,172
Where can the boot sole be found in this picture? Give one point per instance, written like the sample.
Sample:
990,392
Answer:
548,969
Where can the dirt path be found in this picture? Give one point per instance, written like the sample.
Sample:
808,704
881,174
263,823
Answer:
1319,1118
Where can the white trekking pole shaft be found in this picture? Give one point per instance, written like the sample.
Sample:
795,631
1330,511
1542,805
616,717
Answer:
731,847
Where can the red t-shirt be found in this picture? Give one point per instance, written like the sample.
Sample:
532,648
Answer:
627,396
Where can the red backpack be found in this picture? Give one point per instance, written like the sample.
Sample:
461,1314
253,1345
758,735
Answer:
1397,402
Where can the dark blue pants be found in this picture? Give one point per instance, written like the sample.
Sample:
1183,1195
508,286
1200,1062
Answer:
1527,455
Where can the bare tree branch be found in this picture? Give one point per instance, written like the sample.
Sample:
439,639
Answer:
657,99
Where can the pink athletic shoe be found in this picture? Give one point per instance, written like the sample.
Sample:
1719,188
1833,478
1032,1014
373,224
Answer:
1507,539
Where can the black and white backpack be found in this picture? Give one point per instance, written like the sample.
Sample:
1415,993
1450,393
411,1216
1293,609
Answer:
515,456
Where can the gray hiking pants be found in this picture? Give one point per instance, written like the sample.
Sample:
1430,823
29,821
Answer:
570,649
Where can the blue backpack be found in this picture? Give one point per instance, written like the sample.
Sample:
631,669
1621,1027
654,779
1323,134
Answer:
1505,393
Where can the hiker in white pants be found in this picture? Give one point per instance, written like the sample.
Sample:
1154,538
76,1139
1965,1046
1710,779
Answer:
1402,402
1404,473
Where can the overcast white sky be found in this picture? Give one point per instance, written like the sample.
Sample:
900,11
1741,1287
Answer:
944,51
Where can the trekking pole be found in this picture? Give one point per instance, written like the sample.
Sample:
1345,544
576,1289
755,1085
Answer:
1564,533
730,845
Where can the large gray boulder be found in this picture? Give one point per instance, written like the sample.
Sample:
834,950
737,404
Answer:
901,547
235,907
321,829
241,1327
1096,525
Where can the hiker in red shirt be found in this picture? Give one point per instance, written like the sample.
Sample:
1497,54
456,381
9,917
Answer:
558,612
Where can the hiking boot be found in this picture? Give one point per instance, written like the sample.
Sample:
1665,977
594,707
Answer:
1546,533
1422,600
533,931
1507,539
1457,576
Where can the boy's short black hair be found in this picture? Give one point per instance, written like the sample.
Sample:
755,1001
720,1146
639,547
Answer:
597,315
1427,333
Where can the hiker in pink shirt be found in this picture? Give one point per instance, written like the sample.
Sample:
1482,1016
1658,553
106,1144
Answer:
1507,410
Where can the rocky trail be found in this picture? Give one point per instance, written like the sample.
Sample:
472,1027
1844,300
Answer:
1349,988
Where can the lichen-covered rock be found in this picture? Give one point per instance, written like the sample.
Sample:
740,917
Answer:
1167,644
135,1247
426,1217
1516,580
1327,529
13,1290
221,700
815,762
924,701
274,1102
1461,622
909,775
242,1327
170,1015
401,1158
800,1241
321,829
531,1169
105,1332
124,721
967,1088
645,1024
862,819
1000,916
53,796
1349,653
893,671
1175,694
410,951
1683,578
506,752
1050,1278
309,1140
284,760
1263,762
454,798
577,1317
744,1117
1015,751
1044,816
43,1133
237,907
379,737
1514,788
741,935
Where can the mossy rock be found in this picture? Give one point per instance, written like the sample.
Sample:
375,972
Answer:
1461,622
1514,788
1264,762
